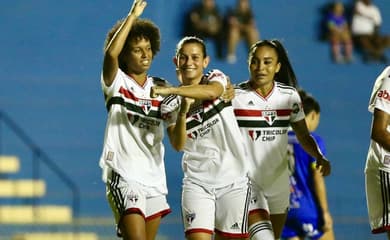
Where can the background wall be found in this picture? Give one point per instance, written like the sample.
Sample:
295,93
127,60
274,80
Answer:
50,70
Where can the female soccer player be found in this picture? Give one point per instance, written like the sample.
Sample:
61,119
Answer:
265,106
132,158
215,186
377,169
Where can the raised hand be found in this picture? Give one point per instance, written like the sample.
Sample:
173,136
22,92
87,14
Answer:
138,7
228,94
186,104
328,222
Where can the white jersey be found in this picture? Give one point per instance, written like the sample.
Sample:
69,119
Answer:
133,145
214,155
366,20
378,157
264,123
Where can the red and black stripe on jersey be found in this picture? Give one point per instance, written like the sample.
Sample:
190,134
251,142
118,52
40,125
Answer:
256,123
218,106
130,106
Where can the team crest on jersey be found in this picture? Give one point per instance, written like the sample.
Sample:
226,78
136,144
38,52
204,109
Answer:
253,200
132,197
254,135
197,115
269,116
190,217
146,105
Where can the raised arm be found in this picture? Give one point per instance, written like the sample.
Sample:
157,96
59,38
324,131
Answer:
209,91
117,42
309,144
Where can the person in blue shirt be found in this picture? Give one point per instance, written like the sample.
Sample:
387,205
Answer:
340,38
308,216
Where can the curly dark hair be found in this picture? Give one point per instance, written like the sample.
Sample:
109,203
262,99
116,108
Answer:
141,28
286,73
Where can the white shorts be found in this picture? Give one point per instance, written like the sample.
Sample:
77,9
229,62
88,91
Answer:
132,197
378,200
275,199
223,210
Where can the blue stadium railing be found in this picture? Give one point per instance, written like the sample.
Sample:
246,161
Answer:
40,156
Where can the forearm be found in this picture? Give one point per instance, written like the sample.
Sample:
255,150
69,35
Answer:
114,48
320,191
201,92
178,135
310,146
117,42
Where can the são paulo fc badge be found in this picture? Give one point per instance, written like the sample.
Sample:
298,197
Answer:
146,105
269,116
190,217
133,197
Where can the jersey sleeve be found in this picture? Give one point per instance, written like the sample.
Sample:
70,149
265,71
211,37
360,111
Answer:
216,75
320,143
297,112
382,100
377,87
109,90
169,109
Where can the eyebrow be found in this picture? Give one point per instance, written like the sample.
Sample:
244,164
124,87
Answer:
191,54
266,58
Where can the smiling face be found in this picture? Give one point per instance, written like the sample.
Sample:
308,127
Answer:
191,61
137,56
263,65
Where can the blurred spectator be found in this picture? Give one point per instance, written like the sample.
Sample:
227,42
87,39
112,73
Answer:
366,23
339,34
205,21
240,24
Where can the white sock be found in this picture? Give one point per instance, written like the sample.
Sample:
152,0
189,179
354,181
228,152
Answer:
261,230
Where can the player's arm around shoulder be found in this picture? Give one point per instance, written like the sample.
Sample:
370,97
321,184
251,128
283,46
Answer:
208,91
